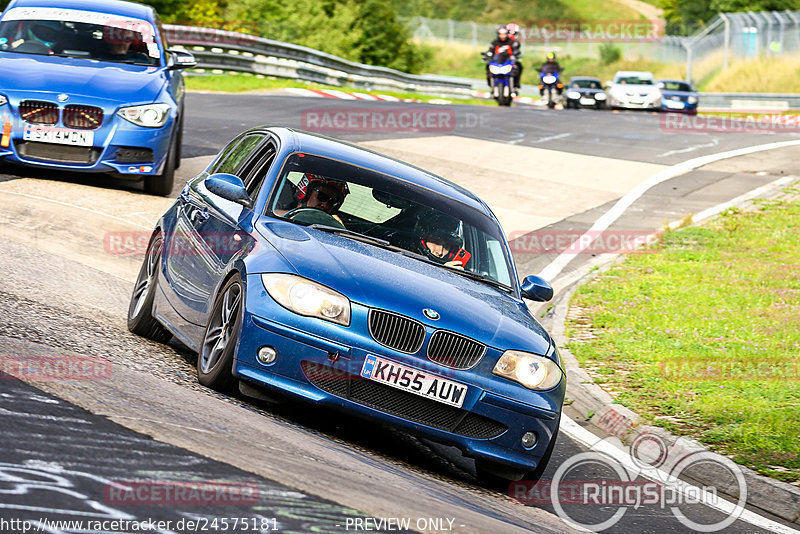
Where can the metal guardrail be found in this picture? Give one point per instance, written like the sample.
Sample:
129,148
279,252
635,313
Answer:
232,51
750,102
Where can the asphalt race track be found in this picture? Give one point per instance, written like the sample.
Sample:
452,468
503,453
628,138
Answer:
67,445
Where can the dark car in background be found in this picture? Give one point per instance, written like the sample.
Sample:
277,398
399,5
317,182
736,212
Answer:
678,95
585,92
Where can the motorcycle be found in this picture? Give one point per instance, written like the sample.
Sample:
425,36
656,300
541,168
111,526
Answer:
549,83
501,69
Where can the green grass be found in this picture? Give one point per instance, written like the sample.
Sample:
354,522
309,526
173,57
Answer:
702,336
240,83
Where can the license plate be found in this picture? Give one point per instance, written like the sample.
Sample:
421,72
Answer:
414,381
674,105
587,101
60,136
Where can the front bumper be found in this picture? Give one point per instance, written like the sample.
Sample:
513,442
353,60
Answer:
324,368
117,146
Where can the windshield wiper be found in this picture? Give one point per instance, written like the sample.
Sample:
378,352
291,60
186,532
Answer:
352,234
482,278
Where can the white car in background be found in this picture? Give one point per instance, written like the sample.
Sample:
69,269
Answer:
633,90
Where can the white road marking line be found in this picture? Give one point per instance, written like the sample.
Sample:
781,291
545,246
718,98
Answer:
714,142
551,138
120,219
587,439
557,265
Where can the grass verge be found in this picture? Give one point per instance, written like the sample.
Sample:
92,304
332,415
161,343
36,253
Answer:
702,338
241,83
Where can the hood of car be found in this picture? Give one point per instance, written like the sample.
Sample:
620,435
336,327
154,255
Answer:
23,74
379,278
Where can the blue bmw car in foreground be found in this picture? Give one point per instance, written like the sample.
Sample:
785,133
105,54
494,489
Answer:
88,86
300,265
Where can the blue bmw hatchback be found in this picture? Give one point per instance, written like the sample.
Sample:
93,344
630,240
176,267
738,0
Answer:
88,86
300,265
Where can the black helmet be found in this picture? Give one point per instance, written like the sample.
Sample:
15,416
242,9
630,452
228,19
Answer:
439,231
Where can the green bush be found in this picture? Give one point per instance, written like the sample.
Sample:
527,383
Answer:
609,53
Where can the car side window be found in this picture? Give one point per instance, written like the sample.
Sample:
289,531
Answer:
258,168
232,159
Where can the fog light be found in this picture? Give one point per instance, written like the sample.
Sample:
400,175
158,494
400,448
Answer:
267,355
529,440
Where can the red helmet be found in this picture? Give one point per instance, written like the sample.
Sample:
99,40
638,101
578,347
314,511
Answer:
310,181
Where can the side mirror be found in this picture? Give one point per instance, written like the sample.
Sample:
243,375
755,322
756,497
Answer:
181,59
536,288
229,187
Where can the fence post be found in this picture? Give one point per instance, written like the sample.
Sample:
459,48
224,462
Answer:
688,48
451,29
727,40
474,34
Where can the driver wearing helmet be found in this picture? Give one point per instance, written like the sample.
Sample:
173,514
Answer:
439,239
550,66
502,45
318,192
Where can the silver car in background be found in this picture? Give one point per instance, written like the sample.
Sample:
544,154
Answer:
632,89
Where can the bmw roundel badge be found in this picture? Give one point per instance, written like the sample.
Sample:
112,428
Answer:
433,315
63,97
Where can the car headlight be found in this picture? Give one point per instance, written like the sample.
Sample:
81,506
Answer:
574,95
148,115
308,298
600,96
3,100
530,370
692,100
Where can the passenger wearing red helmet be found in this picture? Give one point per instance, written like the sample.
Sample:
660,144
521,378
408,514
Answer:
516,47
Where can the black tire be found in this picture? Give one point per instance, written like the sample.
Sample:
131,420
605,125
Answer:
161,184
140,310
215,361
179,144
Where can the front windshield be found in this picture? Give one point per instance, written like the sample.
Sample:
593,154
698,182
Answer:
586,84
316,190
79,34
675,86
636,80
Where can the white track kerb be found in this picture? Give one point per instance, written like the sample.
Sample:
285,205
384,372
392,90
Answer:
582,243
555,268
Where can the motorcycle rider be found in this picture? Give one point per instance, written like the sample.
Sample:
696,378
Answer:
516,47
550,66
501,45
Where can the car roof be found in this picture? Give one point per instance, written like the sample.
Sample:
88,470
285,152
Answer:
343,151
674,80
116,7
584,78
